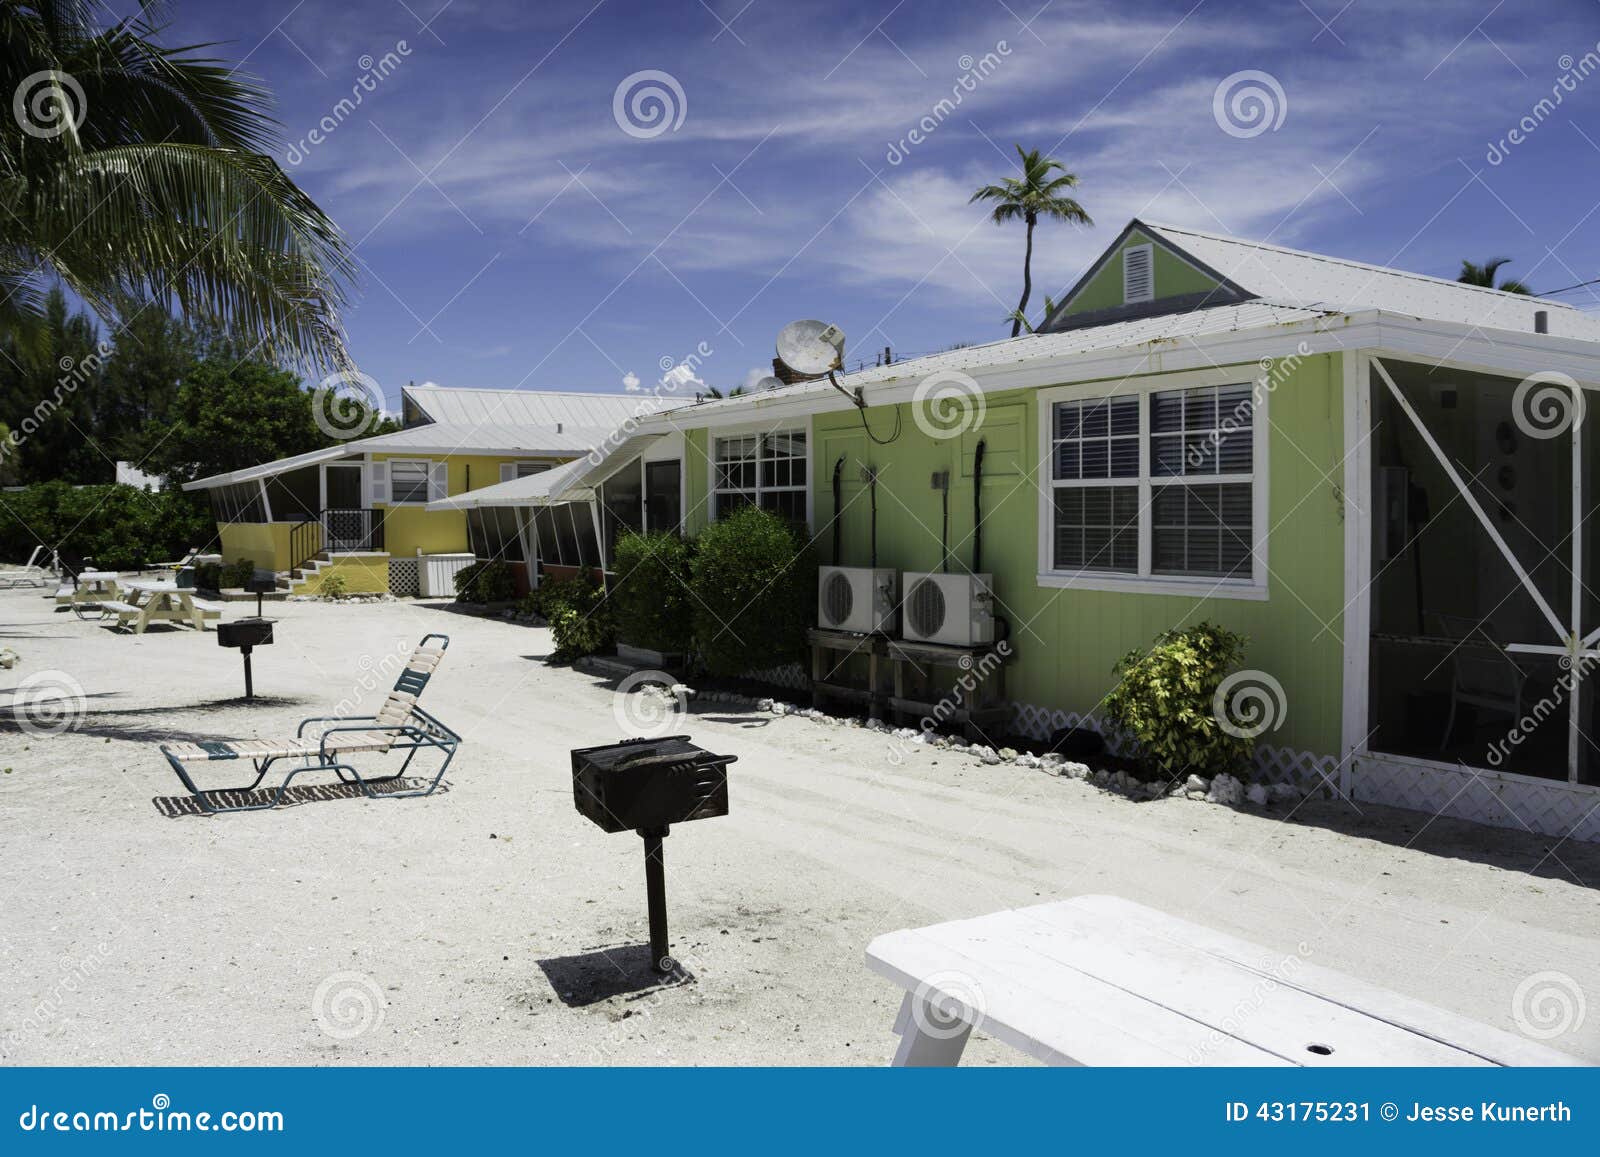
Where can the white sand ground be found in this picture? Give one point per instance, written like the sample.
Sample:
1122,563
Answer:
438,927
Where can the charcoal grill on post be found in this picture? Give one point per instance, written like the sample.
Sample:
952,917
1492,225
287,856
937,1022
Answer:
646,785
247,634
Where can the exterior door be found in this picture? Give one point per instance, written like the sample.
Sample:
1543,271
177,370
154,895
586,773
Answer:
343,518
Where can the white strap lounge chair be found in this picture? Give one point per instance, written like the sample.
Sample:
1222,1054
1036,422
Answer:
399,725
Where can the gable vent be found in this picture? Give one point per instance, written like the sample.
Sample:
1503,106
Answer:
1138,275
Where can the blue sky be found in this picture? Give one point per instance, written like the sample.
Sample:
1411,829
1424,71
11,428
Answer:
512,234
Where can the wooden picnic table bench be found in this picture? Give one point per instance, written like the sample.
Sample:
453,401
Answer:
153,602
1099,980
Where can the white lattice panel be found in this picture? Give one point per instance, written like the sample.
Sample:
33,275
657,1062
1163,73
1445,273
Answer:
1528,805
1304,769
790,675
404,576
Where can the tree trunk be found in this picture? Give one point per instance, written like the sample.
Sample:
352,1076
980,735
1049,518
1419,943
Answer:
1027,280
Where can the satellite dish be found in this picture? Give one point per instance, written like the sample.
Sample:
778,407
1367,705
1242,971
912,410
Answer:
811,348
767,383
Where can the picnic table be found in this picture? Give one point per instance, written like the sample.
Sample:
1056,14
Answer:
93,586
1099,980
160,601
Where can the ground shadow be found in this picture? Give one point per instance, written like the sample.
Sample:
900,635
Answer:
100,725
1546,857
605,973
179,806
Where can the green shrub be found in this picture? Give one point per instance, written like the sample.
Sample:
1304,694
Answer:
237,574
650,596
581,632
208,576
120,527
333,586
1164,702
754,579
553,594
579,613
486,582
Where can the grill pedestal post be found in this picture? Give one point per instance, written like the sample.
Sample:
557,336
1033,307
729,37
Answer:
655,888
249,686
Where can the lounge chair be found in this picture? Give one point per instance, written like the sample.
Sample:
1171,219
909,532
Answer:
399,725
36,572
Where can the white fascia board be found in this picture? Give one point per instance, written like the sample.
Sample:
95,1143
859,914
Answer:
1499,351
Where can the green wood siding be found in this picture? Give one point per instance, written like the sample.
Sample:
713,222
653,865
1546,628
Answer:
1173,277
1067,641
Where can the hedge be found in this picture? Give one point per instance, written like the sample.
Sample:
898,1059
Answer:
754,578
120,527
650,595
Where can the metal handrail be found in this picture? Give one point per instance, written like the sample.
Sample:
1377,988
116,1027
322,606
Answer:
354,528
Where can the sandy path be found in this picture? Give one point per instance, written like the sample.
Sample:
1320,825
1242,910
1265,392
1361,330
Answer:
128,936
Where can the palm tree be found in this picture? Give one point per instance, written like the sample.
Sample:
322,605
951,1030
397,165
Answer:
1483,275
1017,315
1036,194
140,176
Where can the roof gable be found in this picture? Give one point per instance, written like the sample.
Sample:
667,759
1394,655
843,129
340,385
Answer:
1194,269
1174,279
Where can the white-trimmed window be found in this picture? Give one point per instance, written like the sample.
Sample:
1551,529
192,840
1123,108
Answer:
510,471
408,480
1160,490
766,470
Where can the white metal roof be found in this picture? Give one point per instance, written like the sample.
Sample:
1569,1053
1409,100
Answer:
1318,281
570,482
475,407
1030,347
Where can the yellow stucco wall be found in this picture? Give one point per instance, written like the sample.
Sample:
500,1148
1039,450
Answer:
408,527
266,544
363,574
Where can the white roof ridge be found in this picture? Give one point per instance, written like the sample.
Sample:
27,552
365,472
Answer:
1354,264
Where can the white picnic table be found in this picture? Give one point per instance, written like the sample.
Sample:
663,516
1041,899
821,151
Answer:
1098,980
93,586
153,601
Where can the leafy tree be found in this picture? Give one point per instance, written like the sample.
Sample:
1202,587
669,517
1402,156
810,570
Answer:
152,356
233,414
1018,316
139,171
1034,195
1473,274
49,384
